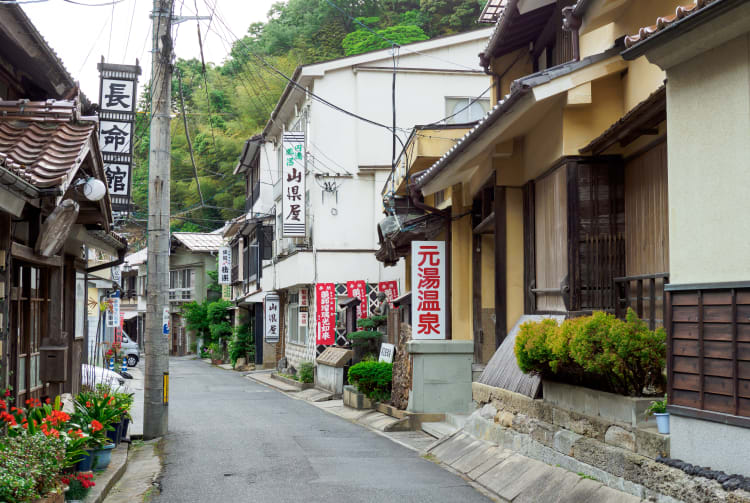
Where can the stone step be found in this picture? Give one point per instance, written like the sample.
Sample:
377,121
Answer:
274,383
439,430
457,420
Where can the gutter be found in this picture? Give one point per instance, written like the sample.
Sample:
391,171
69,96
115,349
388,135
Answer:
13,181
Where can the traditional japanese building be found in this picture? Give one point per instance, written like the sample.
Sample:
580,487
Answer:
54,210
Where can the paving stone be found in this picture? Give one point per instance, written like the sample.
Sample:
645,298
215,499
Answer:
582,492
515,475
459,453
467,463
497,457
457,442
549,489
610,495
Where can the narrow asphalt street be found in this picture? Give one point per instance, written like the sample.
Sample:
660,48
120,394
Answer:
232,439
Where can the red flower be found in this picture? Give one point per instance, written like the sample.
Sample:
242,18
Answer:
88,404
7,392
96,425
48,401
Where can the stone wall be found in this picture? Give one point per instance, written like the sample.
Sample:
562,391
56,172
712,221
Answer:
620,456
401,370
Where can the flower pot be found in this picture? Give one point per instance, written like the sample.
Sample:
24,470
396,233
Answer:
662,422
125,425
102,457
84,465
116,434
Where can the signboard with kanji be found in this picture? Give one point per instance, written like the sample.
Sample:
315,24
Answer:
428,289
325,322
358,289
118,96
273,315
113,312
225,265
293,186
386,353
303,301
390,288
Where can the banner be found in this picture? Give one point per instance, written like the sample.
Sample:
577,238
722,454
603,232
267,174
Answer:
225,265
325,315
118,94
358,289
390,288
293,186
428,289
272,317
113,312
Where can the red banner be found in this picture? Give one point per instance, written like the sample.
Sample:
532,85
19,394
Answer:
325,316
358,289
390,288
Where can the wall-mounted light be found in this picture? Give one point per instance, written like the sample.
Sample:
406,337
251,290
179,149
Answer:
92,188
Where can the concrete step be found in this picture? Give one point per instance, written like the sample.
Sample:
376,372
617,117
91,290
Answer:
439,430
266,379
457,420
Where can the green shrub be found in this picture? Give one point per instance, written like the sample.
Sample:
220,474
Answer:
372,322
30,466
306,372
597,351
373,379
242,344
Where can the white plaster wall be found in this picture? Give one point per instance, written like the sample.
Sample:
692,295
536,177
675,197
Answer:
269,175
705,443
708,112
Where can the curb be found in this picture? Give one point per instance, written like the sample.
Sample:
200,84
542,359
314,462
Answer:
108,478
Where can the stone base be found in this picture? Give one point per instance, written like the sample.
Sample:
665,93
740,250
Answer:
441,376
706,443
330,378
355,399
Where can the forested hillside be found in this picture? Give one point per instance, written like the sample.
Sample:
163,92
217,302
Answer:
226,104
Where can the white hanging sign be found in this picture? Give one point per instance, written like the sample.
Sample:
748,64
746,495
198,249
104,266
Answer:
165,321
225,265
273,315
386,353
428,289
113,312
293,185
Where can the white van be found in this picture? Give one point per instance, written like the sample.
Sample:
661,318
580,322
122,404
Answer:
130,350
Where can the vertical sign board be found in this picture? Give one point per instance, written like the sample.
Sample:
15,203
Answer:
118,95
303,300
428,289
358,289
390,288
325,322
225,265
293,186
272,315
113,312
116,275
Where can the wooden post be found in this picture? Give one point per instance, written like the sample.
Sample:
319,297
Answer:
501,306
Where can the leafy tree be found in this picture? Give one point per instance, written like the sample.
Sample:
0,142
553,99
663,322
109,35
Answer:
364,41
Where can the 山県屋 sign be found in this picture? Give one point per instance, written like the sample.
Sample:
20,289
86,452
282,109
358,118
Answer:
293,185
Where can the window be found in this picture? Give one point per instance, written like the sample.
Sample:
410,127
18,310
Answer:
181,284
297,333
439,197
462,110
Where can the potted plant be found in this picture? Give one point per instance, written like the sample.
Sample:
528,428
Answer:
79,485
217,353
658,409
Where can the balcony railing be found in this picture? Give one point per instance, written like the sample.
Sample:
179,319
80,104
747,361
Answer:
641,293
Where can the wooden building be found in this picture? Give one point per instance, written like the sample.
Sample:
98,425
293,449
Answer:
49,158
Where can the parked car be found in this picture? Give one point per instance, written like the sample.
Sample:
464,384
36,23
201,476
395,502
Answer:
130,350
93,375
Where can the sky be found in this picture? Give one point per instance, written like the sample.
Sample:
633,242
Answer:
81,34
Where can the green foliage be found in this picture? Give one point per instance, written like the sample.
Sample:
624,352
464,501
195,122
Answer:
195,315
242,344
217,351
364,40
30,466
598,351
373,379
306,372
372,322
657,407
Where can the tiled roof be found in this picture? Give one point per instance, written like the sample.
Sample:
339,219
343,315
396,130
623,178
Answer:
40,142
663,22
199,241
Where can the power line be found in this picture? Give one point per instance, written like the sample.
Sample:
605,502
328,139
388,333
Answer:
187,137
130,30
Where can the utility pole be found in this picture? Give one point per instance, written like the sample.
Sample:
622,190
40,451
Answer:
156,392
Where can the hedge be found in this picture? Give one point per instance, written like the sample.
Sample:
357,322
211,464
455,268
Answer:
597,351
373,379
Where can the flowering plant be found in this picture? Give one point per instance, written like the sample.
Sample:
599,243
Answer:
30,466
78,485
97,412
